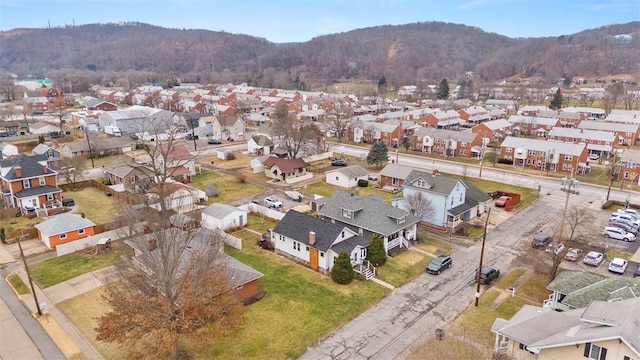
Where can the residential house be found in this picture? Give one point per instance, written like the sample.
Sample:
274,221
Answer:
75,148
623,116
97,104
576,289
447,142
183,222
627,133
393,175
138,119
369,133
474,115
260,145
286,170
442,119
7,150
346,177
241,277
124,175
494,130
629,166
585,112
442,201
223,216
369,216
64,228
532,125
602,330
28,183
178,161
601,143
532,110
9,127
541,154
50,152
567,119
228,127
317,243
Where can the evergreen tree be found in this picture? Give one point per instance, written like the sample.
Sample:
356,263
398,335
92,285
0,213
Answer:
342,271
378,155
443,90
376,254
382,85
41,139
556,102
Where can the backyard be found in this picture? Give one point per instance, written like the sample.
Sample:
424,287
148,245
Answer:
92,202
230,188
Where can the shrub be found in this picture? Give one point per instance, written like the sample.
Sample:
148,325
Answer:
376,254
505,161
342,271
363,183
229,156
241,178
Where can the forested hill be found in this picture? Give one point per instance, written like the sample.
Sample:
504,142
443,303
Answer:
401,53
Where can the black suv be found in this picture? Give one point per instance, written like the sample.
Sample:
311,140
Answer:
540,241
488,274
438,264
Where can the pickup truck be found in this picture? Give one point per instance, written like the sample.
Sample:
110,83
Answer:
488,274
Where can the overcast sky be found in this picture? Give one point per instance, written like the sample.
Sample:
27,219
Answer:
301,20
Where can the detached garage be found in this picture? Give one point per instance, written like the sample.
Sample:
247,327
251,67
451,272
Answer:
223,217
64,228
346,177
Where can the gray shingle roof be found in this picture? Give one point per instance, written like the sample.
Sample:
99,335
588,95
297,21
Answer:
543,145
63,223
30,165
296,225
446,134
581,288
352,172
219,210
370,213
396,171
38,190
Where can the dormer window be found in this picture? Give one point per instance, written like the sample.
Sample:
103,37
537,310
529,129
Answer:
421,183
347,213
402,219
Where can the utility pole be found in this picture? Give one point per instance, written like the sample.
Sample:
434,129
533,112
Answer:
484,239
611,175
86,133
26,267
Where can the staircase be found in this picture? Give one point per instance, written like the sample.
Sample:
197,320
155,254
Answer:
368,273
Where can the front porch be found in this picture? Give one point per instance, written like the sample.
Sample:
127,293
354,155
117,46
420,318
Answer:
365,269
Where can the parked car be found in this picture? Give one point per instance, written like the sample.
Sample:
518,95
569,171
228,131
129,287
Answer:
594,156
488,274
339,162
618,265
214,141
573,254
631,212
624,226
502,201
593,258
618,234
540,241
439,263
555,248
372,177
192,137
637,272
628,218
273,202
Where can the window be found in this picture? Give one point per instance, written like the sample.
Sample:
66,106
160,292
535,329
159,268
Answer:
626,174
49,197
532,152
508,150
42,181
460,196
421,183
347,213
26,184
321,254
596,352
452,201
281,237
307,248
342,234
568,157
337,178
296,246
81,232
631,165
401,220
63,236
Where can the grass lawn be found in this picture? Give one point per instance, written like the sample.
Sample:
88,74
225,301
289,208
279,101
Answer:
534,289
527,195
82,310
15,223
55,270
618,254
324,189
97,207
229,188
433,245
270,330
402,267
241,161
17,283
507,280
99,162
260,224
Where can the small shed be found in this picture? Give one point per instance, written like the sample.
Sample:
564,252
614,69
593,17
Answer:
223,216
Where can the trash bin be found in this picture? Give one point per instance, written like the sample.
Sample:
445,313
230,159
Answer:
439,334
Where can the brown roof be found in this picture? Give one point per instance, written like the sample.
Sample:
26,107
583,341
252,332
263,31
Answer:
177,152
285,165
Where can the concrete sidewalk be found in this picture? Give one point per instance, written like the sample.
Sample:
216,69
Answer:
68,338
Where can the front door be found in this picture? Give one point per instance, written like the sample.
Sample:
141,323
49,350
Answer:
313,258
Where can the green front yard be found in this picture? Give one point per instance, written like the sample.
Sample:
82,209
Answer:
324,189
229,187
56,270
402,267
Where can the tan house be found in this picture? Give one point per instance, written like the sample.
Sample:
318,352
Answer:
128,175
284,169
603,330
228,127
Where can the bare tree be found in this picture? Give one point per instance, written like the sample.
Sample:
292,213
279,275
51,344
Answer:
419,205
575,217
7,88
70,168
177,286
341,122
295,136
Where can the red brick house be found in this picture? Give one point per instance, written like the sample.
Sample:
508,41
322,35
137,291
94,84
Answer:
474,114
28,183
495,130
602,143
449,119
446,142
545,155
370,132
627,133
629,169
533,125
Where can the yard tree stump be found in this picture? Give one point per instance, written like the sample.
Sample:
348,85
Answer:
439,334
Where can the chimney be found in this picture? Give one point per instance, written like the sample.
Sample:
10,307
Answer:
45,169
18,171
151,244
435,172
312,238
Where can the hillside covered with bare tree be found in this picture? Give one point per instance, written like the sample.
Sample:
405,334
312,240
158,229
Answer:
403,54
